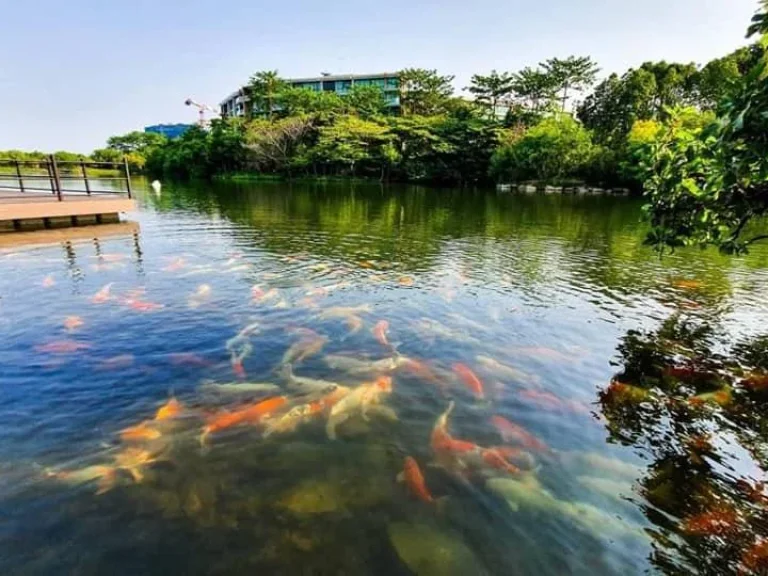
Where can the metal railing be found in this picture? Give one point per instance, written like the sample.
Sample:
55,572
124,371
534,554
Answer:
62,178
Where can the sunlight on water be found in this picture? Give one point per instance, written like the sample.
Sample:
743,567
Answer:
336,380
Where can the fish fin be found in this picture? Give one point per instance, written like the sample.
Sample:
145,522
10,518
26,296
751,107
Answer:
400,477
330,429
333,422
107,482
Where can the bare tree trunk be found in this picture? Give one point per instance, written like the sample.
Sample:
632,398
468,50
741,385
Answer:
565,96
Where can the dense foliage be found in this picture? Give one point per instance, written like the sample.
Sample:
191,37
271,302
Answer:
534,124
706,186
543,123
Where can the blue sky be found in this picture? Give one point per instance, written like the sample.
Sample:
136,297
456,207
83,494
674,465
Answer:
73,73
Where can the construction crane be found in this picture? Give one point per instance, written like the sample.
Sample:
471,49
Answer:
201,108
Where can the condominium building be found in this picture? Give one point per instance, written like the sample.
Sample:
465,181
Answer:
170,131
237,103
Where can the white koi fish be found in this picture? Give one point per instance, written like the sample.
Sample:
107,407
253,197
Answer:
359,400
306,385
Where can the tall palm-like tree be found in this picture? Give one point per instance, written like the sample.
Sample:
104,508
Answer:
264,89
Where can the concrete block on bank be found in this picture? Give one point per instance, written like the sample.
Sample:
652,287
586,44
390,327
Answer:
87,220
581,190
112,218
7,226
59,222
31,224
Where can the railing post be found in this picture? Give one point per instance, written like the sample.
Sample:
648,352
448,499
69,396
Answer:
127,176
49,169
85,178
56,177
18,175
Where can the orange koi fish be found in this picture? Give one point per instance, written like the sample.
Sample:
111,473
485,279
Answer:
62,347
142,305
103,295
140,432
380,332
73,322
170,409
405,281
414,480
442,442
250,414
496,459
470,379
511,432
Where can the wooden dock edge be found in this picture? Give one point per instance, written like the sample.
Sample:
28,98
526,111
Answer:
26,216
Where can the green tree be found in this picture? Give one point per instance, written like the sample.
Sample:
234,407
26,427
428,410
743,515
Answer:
366,101
106,155
423,92
419,145
303,101
720,77
535,91
272,145
490,90
705,187
264,89
136,141
351,141
558,147
574,74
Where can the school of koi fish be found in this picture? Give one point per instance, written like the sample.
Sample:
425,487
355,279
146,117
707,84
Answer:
345,375
357,397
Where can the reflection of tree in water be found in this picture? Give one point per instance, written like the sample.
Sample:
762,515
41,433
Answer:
699,408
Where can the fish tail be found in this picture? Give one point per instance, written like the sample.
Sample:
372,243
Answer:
204,442
286,371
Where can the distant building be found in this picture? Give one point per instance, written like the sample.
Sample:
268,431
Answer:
236,103
168,130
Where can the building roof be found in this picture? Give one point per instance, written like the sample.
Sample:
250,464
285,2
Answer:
328,78
332,77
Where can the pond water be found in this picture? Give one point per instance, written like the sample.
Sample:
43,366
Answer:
160,409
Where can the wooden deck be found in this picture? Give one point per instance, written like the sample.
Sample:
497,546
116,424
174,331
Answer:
31,211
